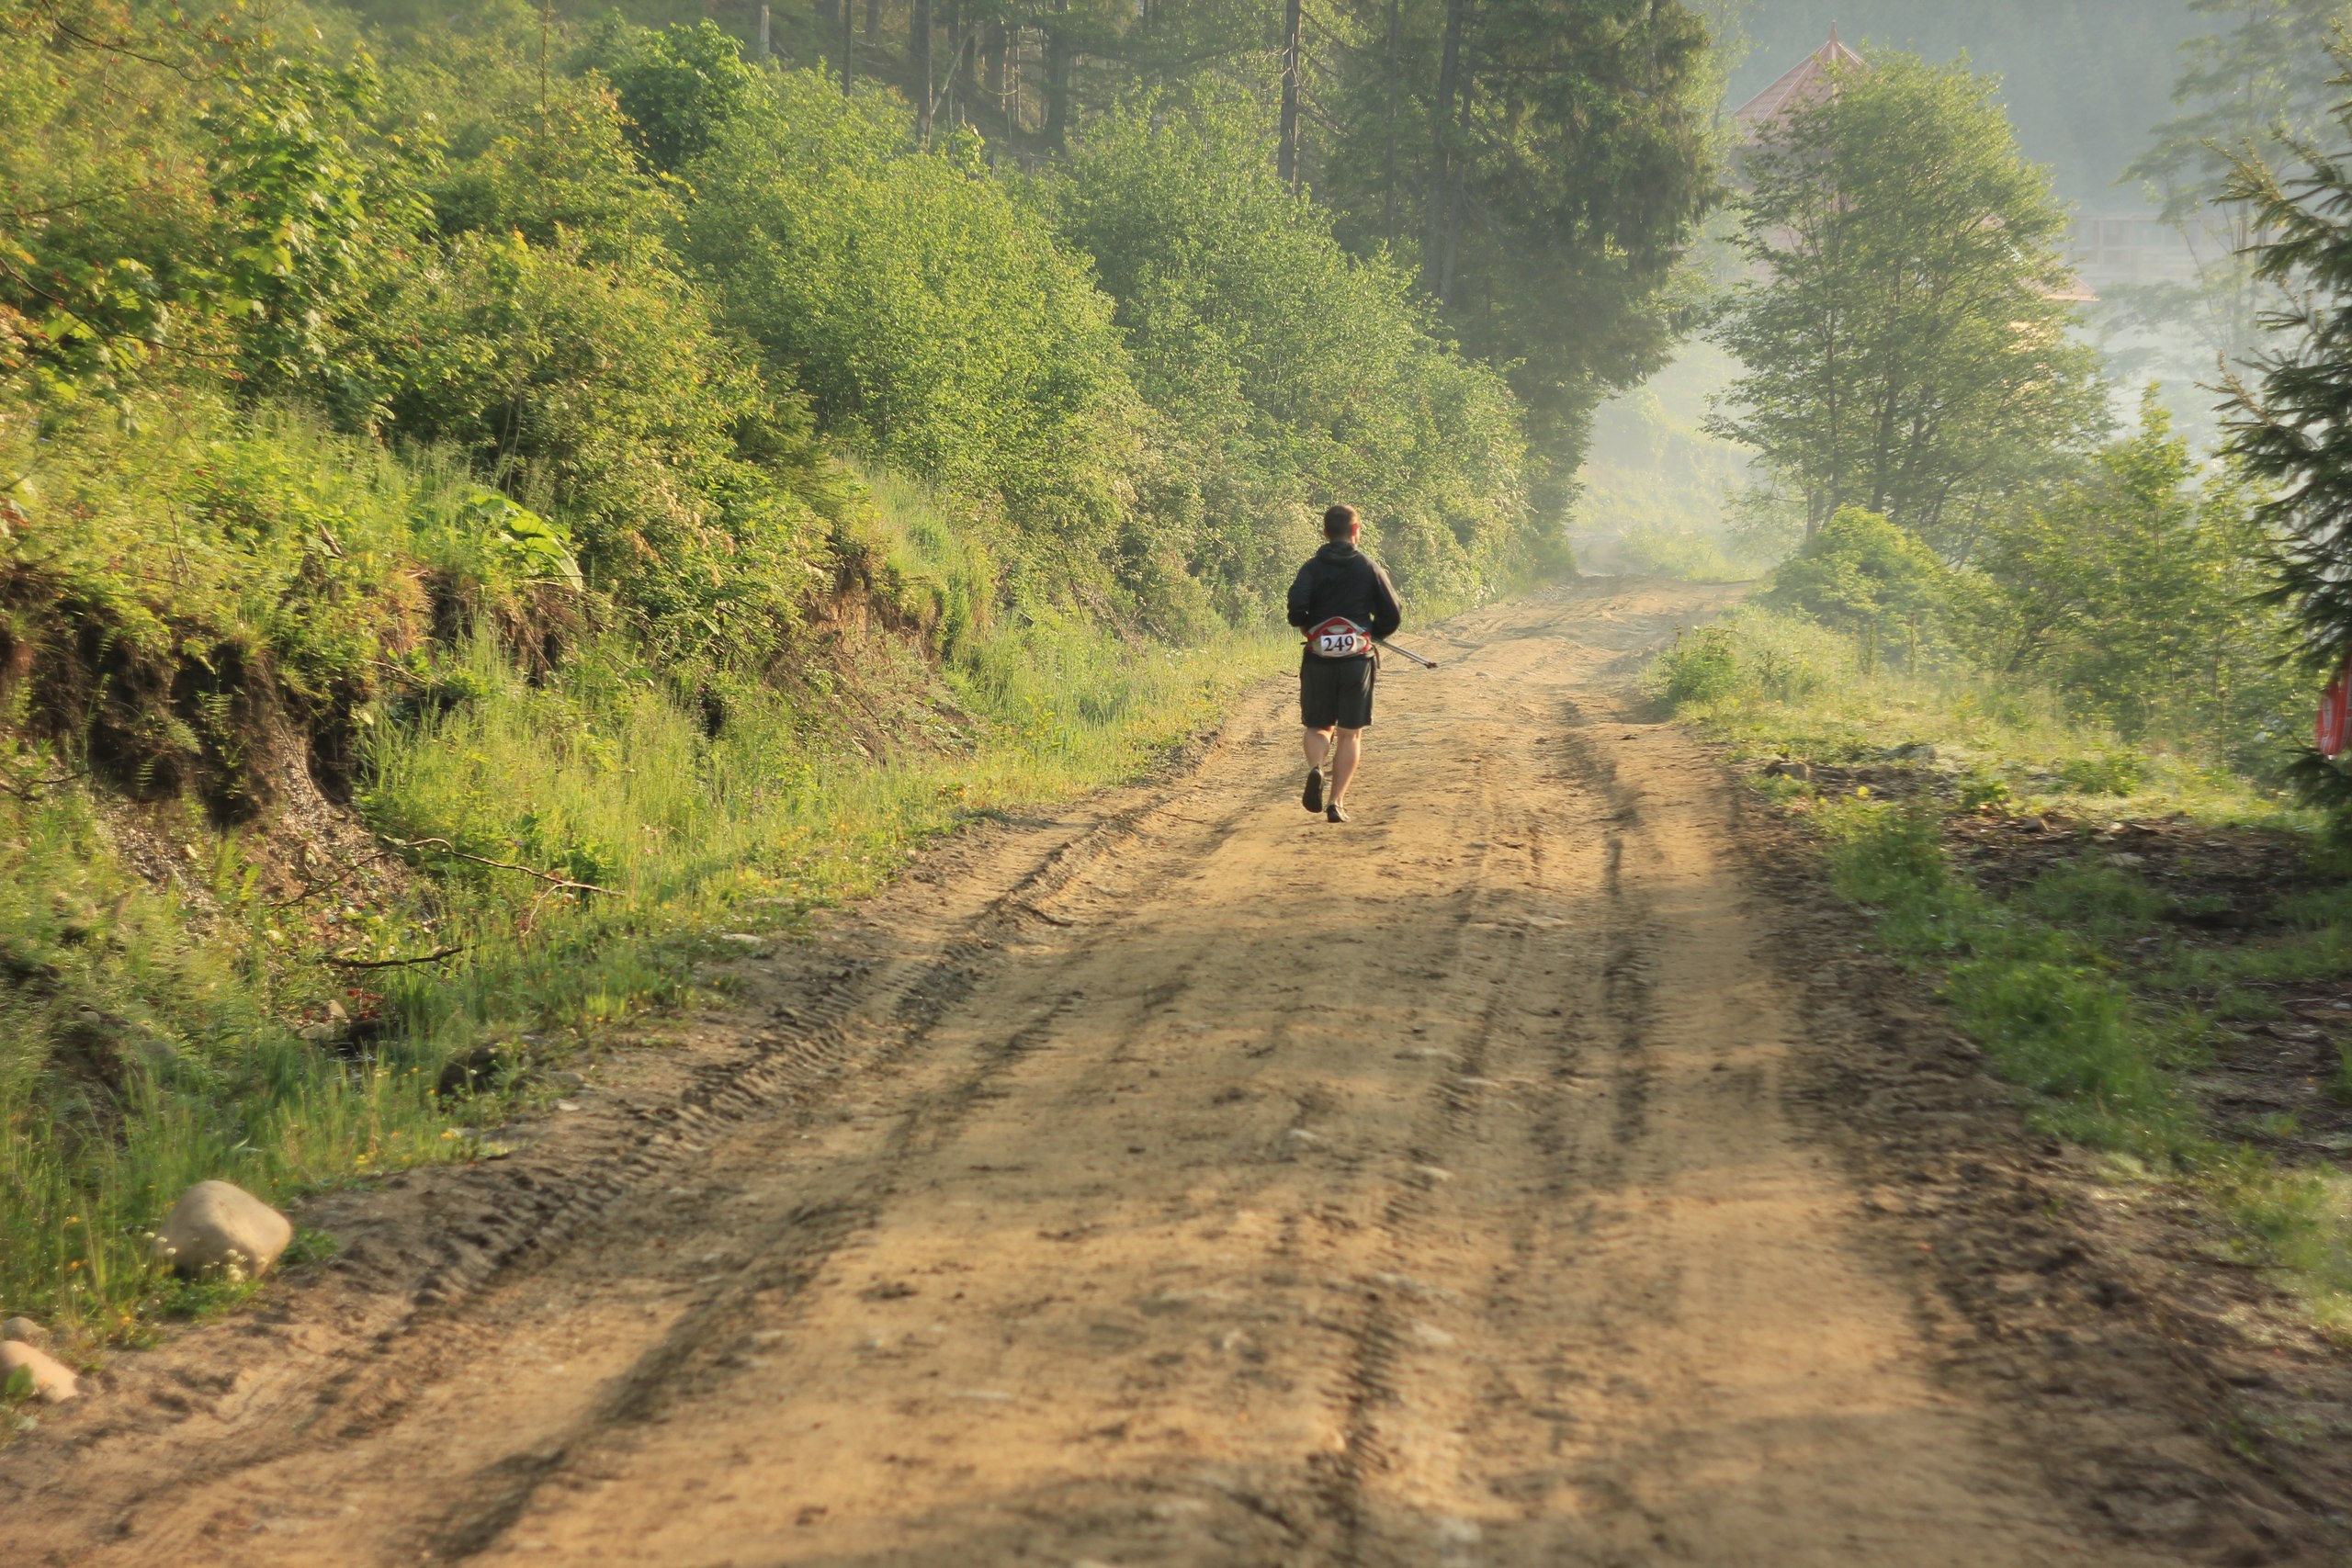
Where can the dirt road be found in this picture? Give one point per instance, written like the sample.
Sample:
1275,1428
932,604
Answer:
1189,1183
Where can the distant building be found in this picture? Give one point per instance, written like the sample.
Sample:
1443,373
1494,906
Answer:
2102,250
1805,84
2126,248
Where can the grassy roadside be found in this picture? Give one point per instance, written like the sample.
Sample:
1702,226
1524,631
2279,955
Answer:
173,1010
2122,932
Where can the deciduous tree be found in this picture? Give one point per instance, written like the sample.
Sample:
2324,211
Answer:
1906,341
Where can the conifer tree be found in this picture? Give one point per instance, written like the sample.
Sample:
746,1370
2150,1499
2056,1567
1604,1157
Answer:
2290,421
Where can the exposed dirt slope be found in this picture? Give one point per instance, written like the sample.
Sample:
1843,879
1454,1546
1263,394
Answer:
1190,1181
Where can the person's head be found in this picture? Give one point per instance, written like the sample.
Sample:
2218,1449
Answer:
1340,522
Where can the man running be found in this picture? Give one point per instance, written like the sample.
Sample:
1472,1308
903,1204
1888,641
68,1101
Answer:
1343,601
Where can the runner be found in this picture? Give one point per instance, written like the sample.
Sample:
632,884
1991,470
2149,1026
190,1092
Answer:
1343,601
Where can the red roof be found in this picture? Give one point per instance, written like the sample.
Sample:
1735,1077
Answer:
1806,84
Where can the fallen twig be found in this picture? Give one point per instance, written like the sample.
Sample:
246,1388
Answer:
312,889
554,879
389,962
29,790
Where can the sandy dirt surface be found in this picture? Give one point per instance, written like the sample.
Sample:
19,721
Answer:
1183,1181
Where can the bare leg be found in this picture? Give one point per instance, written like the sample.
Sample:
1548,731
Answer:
1319,746
1345,753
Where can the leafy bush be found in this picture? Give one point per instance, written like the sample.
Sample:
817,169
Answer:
2131,586
1702,667
964,346
1864,576
1751,655
1288,373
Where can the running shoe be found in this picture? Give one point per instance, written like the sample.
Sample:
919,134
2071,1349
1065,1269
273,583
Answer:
1311,797
1334,812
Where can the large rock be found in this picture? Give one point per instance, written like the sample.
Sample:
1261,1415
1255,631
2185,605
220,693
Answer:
220,1226
27,1330
54,1380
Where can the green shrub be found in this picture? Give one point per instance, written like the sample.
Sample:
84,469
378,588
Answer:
1978,789
1864,576
929,314
1701,667
1287,372
1752,654
2116,773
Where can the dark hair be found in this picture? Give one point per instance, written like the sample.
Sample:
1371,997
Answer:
1338,522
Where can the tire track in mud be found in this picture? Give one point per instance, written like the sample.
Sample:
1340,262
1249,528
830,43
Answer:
1225,1190
1495,1069
791,1257
532,1212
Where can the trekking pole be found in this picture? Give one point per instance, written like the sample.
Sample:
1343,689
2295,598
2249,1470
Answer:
1424,663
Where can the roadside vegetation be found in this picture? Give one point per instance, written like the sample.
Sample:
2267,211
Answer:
498,505
2156,948
2040,678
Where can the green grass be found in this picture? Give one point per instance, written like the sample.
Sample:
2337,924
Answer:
2039,997
2073,985
1771,684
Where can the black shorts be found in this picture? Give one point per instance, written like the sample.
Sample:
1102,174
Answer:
1336,692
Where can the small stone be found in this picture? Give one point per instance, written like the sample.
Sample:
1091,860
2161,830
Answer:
25,1331
54,1380
220,1226
1784,769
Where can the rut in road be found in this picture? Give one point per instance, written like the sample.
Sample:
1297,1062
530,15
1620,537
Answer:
1256,1191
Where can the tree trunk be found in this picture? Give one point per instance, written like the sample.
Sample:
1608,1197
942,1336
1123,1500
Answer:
1396,86
918,65
873,22
1058,63
1005,82
1286,157
1454,195
963,72
849,41
1437,214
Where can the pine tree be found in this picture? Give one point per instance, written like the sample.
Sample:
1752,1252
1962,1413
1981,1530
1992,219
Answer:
2256,85
2290,423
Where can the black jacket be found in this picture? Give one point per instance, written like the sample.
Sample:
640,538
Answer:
1340,579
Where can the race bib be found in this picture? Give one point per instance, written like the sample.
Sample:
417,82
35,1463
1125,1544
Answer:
1338,637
